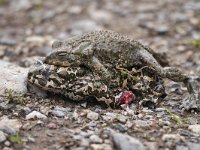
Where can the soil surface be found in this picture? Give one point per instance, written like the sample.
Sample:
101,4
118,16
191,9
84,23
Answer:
27,30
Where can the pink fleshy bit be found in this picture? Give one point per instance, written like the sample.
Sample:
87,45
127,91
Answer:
126,98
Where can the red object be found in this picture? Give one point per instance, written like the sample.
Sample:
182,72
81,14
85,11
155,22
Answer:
126,98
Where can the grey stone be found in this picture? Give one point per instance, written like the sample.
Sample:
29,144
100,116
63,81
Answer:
193,146
10,126
180,147
92,124
120,127
6,105
60,111
126,142
96,139
12,77
162,30
193,121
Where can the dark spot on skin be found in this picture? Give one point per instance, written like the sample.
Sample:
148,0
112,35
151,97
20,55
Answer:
46,73
30,75
42,82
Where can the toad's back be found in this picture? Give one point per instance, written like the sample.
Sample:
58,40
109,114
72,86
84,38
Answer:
107,46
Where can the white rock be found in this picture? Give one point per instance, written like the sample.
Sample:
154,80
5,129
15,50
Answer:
7,148
96,139
121,118
2,136
7,143
107,118
12,77
92,115
75,115
35,114
195,128
10,126
101,147
142,123
175,137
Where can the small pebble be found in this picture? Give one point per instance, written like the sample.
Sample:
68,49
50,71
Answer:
10,126
175,137
85,142
121,118
120,127
31,139
7,143
92,115
2,136
101,147
195,128
52,125
35,114
96,139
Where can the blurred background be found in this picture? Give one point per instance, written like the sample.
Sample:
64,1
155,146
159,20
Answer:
28,27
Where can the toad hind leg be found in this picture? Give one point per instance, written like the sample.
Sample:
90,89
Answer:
193,101
174,74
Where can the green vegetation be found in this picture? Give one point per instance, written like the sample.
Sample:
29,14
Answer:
15,97
175,117
38,6
128,73
16,138
196,43
3,2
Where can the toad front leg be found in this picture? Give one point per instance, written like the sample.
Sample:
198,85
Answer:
81,55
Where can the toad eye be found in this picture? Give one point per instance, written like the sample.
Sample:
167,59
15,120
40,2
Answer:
62,54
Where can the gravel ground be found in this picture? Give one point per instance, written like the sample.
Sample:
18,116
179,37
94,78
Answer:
27,30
